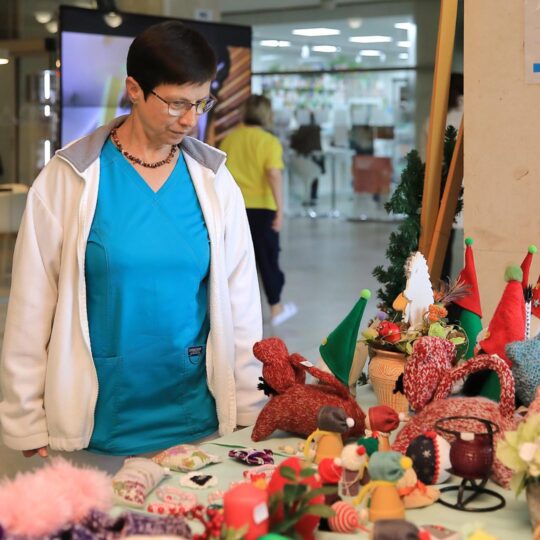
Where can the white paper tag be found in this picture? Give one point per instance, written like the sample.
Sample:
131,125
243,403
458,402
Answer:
306,363
260,513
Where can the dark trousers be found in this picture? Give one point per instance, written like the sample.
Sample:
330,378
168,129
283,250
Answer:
266,246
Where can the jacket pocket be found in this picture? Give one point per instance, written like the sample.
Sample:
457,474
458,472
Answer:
109,372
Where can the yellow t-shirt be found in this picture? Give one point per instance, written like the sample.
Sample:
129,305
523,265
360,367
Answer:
251,151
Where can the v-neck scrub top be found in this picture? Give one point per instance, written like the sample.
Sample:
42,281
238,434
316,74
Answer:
147,264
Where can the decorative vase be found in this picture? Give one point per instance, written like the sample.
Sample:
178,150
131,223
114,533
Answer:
385,367
532,491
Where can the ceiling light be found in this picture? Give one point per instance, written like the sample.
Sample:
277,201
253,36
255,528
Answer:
355,23
43,17
52,26
404,25
269,57
403,56
315,32
113,19
370,52
305,51
325,48
403,43
275,43
370,39
4,57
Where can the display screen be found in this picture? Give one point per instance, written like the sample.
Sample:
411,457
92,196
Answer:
93,71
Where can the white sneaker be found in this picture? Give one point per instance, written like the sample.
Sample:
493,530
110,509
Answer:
289,310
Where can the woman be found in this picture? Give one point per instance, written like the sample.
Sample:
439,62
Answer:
254,157
134,302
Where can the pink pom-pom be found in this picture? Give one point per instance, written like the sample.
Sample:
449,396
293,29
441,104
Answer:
41,502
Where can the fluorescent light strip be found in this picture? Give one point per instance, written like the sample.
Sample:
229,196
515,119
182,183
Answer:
405,44
370,39
404,25
47,85
4,61
275,43
325,48
370,52
403,56
46,151
316,32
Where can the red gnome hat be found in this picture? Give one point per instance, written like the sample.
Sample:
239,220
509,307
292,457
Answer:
526,264
535,301
508,321
470,302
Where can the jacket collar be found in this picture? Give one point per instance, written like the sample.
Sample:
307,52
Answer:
84,151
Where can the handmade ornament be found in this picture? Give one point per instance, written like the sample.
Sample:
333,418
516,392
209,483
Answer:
252,456
195,480
306,525
430,455
353,460
346,519
135,480
294,405
385,469
259,475
470,311
525,357
382,420
414,493
332,422
398,529
429,399
535,309
40,502
418,294
245,509
338,348
184,458
506,325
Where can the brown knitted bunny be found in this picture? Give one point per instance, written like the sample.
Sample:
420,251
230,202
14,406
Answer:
294,405
427,382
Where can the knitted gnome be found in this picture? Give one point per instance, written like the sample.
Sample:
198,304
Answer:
527,290
415,494
385,469
353,461
470,311
525,356
535,309
382,420
506,325
430,455
337,350
332,422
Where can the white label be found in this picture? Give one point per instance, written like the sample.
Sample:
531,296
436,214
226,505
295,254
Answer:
306,363
260,513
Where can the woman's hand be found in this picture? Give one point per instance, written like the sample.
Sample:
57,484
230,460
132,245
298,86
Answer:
278,221
43,452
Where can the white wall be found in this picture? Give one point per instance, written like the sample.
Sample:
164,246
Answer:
502,144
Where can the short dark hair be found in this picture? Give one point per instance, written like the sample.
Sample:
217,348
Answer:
258,111
170,53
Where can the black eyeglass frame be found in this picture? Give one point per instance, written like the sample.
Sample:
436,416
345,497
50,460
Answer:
186,105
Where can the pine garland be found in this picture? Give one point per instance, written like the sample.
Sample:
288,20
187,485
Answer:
407,200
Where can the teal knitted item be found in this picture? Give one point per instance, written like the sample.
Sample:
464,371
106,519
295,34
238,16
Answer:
525,356
386,466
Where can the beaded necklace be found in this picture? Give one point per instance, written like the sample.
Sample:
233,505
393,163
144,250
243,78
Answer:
136,160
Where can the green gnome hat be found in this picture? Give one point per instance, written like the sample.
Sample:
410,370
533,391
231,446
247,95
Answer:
337,350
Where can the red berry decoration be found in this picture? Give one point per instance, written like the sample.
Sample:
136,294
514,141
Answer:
389,331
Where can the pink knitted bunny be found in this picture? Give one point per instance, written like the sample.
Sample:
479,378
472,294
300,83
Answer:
427,382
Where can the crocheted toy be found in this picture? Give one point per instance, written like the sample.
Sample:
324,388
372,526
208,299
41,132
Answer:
381,420
41,502
353,460
429,364
294,405
525,356
385,469
430,454
415,494
332,422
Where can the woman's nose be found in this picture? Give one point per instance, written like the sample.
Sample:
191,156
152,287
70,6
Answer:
189,118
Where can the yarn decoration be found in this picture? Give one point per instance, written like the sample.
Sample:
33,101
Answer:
346,519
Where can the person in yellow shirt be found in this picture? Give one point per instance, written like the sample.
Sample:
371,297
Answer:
254,157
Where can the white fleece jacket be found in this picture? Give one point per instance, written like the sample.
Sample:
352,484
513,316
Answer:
47,375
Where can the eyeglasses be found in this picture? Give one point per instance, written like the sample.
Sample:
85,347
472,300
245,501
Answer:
182,106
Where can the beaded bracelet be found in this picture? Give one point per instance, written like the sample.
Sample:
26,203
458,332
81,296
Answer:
172,494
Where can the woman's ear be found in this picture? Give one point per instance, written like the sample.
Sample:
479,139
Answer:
133,90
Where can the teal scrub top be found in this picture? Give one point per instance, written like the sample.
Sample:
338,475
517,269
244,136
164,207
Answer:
147,265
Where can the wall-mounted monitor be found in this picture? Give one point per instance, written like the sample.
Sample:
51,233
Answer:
93,71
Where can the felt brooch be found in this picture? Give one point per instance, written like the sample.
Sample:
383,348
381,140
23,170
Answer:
196,480
252,456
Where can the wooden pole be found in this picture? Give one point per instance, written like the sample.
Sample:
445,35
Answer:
447,211
437,121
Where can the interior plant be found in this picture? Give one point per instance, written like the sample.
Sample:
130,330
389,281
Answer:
407,202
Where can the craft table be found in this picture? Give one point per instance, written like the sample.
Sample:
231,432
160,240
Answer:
509,523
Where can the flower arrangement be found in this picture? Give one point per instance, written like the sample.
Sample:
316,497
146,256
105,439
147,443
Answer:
520,451
396,335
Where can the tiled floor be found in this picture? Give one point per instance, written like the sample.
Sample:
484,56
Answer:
327,263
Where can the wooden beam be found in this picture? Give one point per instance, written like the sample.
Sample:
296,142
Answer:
437,121
447,211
